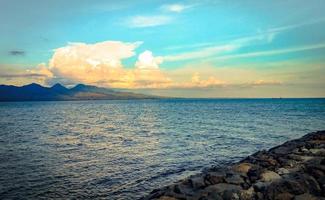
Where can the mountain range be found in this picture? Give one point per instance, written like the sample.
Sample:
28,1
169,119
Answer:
36,92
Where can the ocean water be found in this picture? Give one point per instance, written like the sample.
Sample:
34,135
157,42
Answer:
124,149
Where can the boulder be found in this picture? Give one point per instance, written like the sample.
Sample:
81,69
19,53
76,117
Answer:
235,179
221,187
242,167
284,196
197,182
305,196
212,178
247,194
269,176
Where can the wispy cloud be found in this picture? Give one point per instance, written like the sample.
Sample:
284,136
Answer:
214,50
22,75
295,26
271,52
267,35
148,21
16,53
177,8
202,53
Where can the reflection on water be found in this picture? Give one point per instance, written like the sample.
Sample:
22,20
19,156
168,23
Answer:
124,149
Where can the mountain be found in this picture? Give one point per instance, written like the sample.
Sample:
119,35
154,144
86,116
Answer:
36,92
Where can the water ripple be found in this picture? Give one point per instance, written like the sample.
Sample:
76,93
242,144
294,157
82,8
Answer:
124,149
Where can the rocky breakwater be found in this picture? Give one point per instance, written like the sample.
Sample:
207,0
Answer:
294,170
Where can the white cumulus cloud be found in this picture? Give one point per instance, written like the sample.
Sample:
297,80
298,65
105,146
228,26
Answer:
147,61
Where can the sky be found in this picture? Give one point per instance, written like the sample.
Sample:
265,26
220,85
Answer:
206,48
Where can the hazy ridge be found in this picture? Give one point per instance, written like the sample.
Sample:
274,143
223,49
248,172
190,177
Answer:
36,92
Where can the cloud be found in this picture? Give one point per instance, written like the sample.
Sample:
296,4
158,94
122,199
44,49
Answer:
265,82
174,7
272,52
202,53
22,75
147,61
77,55
101,64
16,53
197,82
213,50
19,75
148,21
295,26
209,49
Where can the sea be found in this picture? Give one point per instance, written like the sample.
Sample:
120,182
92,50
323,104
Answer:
123,149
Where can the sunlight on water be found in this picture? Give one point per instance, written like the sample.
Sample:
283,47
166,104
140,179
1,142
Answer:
124,149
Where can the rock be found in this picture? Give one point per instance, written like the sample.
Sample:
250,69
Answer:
282,150
242,167
247,194
317,152
254,174
259,196
290,185
284,196
305,196
261,186
292,171
184,189
268,176
310,183
282,171
322,162
213,196
197,182
304,150
230,195
321,182
221,187
212,178
235,179
167,198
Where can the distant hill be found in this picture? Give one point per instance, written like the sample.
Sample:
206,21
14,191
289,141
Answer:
36,92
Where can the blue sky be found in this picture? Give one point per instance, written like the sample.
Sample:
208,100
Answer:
189,48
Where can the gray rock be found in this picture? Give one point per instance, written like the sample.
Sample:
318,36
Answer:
221,187
167,198
284,196
317,152
247,194
261,186
230,195
235,179
305,196
293,171
212,178
282,171
197,182
214,196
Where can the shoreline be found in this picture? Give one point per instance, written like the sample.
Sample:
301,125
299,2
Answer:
293,170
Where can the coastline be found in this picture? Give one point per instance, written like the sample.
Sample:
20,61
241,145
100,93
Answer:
293,170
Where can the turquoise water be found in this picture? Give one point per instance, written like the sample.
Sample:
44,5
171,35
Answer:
124,149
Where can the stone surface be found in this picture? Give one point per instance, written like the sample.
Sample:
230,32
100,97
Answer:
242,167
305,196
292,171
221,187
268,176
